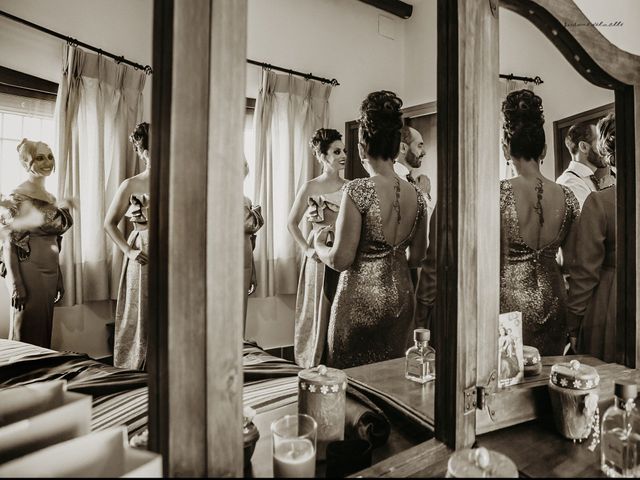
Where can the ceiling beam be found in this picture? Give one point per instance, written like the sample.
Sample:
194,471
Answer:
396,7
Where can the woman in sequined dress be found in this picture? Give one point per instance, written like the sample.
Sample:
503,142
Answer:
380,217
318,202
537,218
132,201
32,226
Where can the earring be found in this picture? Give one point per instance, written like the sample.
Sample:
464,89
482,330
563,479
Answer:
508,163
541,162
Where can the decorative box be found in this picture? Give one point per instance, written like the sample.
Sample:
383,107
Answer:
573,388
480,462
322,395
532,361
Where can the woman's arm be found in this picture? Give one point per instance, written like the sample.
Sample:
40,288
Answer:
18,292
418,246
293,222
342,253
116,211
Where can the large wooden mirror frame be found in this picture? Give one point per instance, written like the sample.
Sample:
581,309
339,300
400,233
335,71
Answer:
198,105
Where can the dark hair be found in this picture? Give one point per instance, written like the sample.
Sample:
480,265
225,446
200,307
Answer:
322,140
380,124
580,132
140,136
523,124
607,138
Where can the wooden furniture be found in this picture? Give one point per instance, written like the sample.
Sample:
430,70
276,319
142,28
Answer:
195,236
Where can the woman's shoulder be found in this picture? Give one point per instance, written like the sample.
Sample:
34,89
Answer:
361,191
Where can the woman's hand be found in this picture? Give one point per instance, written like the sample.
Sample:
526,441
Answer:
18,296
138,256
59,290
311,254
324,237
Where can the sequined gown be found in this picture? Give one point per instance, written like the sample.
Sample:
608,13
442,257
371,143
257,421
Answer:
530,279
316,287
35,227
372,312
132,319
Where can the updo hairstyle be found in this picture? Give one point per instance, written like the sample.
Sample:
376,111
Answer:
322,140
140,136
380,124
606,142
523,124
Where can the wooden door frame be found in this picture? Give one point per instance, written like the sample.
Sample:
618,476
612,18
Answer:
558,125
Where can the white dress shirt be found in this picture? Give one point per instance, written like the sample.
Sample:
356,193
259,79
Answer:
402,171
577,177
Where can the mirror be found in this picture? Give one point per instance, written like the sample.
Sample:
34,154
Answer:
557,199
328,262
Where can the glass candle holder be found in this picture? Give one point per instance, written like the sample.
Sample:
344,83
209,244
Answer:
294,446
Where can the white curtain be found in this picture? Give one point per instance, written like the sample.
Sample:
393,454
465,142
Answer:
99,103
288,110
506,87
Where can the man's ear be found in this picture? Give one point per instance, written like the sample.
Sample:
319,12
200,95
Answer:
404,148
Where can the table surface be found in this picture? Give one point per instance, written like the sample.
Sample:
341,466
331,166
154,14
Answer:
387,376
535,446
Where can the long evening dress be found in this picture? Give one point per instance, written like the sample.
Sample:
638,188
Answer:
372,312
592,292
35,226
316,287
530,279
253,222
132,320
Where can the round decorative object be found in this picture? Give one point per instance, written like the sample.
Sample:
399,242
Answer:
573,389
322,395
480,462
532,361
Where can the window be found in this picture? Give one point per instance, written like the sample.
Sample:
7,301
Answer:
14,126
27,105
249,148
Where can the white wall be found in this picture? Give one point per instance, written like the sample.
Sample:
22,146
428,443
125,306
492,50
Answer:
122,27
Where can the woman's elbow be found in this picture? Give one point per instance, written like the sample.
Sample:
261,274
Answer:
340,263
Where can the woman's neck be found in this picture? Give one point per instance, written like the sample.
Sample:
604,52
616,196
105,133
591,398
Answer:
528,169
381,167
37,181
330,175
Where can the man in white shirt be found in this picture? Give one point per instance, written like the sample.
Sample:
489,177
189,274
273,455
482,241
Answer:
410,157
587,172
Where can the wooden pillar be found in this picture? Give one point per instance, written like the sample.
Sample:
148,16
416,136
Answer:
468,213
197,191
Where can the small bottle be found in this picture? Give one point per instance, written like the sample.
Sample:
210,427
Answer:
620,439
421,358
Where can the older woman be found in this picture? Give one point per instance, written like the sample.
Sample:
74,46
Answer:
132,201
33,225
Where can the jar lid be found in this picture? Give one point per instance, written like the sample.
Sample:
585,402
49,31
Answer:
530,355
626,389
574,375
421,335
321,375
481,462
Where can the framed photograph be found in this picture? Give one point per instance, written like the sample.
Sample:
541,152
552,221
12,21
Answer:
510,358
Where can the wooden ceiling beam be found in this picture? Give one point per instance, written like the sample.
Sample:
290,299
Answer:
395,7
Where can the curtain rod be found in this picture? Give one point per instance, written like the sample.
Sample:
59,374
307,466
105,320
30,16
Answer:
72,41
308,76
537,80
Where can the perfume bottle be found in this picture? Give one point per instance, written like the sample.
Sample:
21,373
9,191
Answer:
420,363
621,433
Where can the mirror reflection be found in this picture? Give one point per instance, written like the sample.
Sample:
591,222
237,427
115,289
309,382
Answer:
557,203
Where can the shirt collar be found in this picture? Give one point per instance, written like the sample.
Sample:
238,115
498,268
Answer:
400,169
580,169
